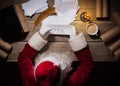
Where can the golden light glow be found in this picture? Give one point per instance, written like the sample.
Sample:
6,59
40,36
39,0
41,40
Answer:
87,16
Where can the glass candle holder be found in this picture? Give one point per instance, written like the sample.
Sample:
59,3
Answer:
85,16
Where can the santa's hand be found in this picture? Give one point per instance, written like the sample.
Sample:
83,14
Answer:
44,31
37,41
77,42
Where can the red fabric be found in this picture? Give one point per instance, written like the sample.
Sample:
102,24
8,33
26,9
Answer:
75,79
47,74
26,66
83,70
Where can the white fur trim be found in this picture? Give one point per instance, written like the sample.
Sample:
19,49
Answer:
78,42
59,59
37,42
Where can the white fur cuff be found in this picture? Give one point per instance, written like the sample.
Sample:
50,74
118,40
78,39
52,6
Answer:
37,42
78,42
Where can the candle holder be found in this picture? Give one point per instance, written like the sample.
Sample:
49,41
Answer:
85,16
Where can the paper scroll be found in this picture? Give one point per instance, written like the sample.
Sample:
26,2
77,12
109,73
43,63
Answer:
117,53
112,37
3,54
5,45
5,49
114,46
101,8
98,8
116,17
105,9
109,35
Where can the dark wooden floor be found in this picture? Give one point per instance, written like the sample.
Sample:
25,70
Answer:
104,74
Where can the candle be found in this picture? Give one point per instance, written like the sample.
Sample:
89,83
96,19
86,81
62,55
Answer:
87,16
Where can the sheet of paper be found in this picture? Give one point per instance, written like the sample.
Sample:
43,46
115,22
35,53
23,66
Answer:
67,9
32,6
68,0
66,13
57,20
43,7
62,29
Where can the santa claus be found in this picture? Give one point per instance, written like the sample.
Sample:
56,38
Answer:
52,68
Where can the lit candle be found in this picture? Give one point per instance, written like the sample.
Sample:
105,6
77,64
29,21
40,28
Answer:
87,16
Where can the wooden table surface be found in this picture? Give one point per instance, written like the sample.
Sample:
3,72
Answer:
60,43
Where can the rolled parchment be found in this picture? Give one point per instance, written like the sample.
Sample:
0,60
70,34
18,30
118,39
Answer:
116,17
114,46
98,8
5,46
110,34
3,54
117,53
105,9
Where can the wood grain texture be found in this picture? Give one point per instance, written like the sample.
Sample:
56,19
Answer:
60,43
98,50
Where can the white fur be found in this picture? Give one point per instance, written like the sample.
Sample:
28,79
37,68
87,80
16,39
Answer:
60,59
78,42
37,42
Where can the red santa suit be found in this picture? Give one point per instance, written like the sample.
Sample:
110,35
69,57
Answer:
48,70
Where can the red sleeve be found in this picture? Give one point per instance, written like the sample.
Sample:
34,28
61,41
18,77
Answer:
83,70
26,66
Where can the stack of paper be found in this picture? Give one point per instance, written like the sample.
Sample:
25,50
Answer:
34,6
66,12
65,9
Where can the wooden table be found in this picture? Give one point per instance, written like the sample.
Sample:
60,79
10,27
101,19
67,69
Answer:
60,43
